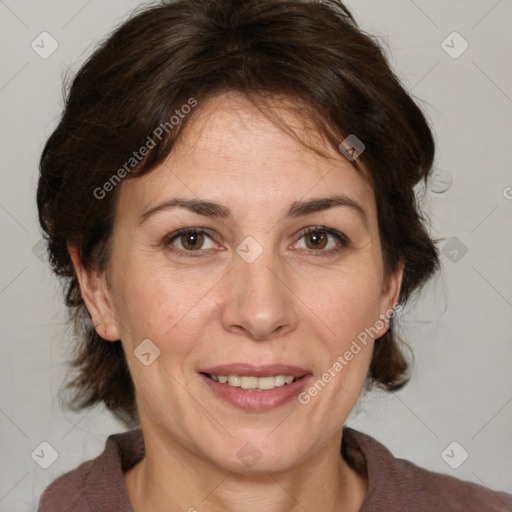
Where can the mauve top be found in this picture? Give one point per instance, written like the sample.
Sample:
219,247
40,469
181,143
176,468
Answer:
393,484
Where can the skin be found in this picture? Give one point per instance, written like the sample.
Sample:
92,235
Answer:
295,304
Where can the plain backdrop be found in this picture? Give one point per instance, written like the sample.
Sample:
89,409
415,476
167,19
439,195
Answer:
459,329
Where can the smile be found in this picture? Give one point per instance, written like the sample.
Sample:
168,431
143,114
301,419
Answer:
253,383
255,388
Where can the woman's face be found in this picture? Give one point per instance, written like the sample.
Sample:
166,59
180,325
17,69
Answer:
246,290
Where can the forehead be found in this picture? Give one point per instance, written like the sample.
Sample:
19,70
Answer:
230,152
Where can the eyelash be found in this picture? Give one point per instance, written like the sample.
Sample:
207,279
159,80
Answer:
342,239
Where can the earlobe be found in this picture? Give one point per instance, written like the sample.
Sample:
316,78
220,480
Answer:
394,286
96,297
390,296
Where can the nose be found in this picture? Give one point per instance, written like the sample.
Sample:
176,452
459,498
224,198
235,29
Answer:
259,302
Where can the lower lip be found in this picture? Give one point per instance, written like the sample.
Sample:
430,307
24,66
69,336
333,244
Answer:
257,400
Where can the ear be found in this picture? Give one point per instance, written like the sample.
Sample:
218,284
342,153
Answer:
389,298
97,297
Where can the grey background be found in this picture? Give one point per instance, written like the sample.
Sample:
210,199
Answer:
460,329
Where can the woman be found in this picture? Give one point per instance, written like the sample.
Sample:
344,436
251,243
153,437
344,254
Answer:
229,200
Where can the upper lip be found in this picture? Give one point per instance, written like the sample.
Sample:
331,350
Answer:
250,370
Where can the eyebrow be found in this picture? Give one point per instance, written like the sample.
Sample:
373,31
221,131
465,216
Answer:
297,209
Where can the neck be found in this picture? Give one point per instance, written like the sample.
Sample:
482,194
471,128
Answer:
170,477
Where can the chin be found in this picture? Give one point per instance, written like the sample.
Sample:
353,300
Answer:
254,455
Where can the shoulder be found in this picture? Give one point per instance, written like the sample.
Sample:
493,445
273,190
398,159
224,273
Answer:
397,483
69,491
96,484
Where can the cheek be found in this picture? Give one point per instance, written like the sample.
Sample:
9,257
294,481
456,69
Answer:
163,307
345,303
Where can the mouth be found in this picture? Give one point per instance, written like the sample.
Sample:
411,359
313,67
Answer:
256,388
251,383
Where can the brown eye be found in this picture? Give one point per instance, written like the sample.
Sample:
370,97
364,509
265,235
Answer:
192,241
322,240
316,240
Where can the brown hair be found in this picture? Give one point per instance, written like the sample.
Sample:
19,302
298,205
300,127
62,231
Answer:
310,51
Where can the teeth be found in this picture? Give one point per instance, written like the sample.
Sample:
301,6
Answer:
254,383
248,382
280,380
234,381
270,382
